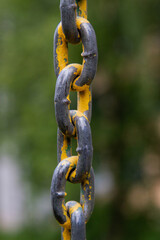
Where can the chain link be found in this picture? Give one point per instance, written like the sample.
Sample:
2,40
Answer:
74,28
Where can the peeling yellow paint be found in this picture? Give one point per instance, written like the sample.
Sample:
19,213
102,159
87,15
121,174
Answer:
82,196
78,114
77,66
73,160
64,149
66,234
78,88
83,201
73,174
74,208
83,8
84,98
68,98
81,20
86,182
62,49
69,109
67,224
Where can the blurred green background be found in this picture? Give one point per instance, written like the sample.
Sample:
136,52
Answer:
125,120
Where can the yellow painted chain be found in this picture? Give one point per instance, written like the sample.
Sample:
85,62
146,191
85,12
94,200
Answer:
74,28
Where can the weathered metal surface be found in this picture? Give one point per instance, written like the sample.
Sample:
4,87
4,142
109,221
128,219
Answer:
78,231
62,100
72,223
68,17
58,194
90,54
74,28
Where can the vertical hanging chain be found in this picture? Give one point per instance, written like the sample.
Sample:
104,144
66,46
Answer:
74,28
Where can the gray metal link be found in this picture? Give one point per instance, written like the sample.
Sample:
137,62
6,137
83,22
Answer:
90,53
58,194
78,230
68,17
62,101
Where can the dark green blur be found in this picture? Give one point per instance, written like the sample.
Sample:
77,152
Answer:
126,110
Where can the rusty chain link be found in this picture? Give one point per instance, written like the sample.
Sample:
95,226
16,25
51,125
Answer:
74,28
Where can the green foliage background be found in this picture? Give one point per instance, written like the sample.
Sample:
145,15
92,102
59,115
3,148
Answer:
126,113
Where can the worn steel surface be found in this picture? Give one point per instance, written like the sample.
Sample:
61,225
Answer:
89,54
74,28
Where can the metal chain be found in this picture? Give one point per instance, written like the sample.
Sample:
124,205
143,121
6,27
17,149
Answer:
74,28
